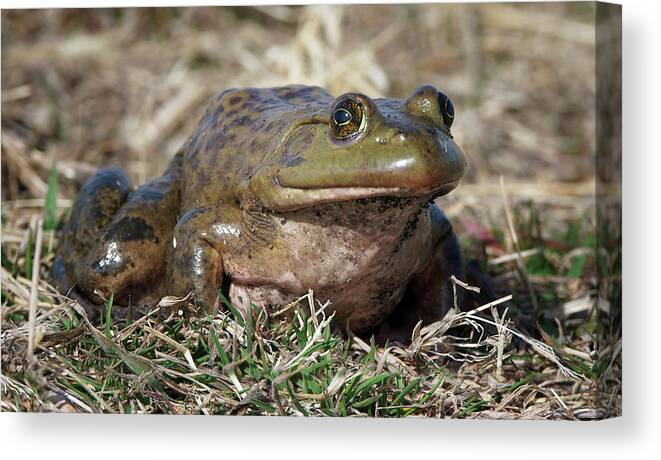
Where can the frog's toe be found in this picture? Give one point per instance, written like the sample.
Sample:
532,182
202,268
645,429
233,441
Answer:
93,310
64,284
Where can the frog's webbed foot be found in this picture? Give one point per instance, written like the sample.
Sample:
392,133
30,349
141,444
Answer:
196,265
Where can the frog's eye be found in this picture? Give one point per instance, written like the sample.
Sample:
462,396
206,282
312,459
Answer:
446,108
347,119
341,117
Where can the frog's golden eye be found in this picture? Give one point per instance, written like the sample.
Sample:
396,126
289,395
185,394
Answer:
446,108
348,119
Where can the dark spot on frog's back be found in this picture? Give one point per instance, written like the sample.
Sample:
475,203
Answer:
300,92
191,214
244,120
103,206
150,195
411,225
220,109
234,100
217,140
295,161
131,229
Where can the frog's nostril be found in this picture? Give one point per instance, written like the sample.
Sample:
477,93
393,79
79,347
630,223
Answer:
400,134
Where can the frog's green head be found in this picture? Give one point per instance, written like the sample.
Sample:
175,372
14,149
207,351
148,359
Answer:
361,148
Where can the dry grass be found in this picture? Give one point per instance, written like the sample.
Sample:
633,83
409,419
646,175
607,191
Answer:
86,88
228,364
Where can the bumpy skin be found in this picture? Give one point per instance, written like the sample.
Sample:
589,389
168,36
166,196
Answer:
265,202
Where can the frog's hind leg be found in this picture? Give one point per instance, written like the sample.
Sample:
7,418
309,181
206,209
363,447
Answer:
119,241
97,203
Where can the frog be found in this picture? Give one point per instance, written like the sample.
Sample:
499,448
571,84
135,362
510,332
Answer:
277,192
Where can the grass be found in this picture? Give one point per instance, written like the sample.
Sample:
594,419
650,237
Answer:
50,207
227,364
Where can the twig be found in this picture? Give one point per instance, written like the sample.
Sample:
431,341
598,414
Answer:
32,306
175,344
489,305
540,347
15,153
515,241
509,257
500,347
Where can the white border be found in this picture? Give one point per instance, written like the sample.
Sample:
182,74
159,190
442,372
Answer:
635,435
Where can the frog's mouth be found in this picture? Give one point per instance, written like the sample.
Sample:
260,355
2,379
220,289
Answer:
282,198
313,182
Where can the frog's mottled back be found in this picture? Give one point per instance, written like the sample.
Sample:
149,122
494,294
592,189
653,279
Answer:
239,129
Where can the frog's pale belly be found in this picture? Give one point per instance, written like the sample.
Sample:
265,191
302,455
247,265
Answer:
362,269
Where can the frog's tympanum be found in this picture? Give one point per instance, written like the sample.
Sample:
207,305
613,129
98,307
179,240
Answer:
279,191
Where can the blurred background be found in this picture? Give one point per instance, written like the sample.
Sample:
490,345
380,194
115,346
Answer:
84,88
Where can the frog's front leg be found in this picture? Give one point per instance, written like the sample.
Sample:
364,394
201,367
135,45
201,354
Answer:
196,265
429,294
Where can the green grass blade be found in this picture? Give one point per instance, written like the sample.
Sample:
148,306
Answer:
407,389
224,359
237,314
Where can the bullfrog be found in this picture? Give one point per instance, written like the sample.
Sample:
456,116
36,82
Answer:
279,191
